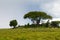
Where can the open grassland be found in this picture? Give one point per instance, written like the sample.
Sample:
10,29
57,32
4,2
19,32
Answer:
30,34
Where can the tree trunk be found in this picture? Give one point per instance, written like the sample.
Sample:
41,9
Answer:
38,21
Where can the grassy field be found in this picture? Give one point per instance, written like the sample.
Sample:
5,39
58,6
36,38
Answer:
30,34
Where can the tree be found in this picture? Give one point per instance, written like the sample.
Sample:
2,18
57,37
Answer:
13,23
36,16
55,23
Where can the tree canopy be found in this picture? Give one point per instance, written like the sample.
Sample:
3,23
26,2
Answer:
55,23
36,16
13,23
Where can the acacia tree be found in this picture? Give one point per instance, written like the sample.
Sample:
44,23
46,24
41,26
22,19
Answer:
36,16
13,23
55,23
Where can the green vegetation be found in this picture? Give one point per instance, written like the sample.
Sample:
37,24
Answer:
36,16
34,31
30,34
55,23
13,23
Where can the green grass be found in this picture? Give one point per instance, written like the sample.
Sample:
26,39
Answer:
30,34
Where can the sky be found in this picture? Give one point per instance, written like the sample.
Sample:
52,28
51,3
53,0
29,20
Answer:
16,9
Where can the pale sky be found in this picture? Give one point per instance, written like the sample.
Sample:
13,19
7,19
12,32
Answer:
15,9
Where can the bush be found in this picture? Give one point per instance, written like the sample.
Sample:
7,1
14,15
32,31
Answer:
13,23
55,23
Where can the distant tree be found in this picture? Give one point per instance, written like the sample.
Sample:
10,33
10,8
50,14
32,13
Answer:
36,16
55,23
13,23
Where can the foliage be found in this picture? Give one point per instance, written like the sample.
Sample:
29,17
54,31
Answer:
13,23
36,16
55,23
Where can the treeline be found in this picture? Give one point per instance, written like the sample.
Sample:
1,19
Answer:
36,17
